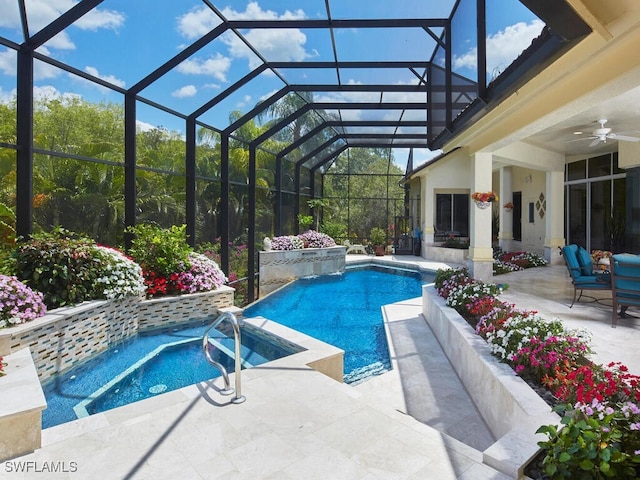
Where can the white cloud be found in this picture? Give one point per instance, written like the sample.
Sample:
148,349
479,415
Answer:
144,126
61,41
255,12
502,47
8,62
10,17
98,18
109,78
184,92
246,100
48,92
197,22
45,92
7,97
216,66
275,44
41,13
44,71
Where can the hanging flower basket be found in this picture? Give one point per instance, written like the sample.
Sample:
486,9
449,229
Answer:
483,199
508,206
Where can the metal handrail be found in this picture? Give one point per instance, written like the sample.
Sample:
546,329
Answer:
239,398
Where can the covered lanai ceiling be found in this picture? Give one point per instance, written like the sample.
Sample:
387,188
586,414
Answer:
399,75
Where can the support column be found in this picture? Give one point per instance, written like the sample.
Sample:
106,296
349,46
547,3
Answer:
505,234
428,207
480,261
554,223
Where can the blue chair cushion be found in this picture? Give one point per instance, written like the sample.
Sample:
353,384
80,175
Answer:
569,252
585,261
627,266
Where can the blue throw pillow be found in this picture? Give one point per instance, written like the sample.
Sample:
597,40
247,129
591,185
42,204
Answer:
585,261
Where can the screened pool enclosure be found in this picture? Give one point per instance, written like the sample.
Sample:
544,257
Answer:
229,117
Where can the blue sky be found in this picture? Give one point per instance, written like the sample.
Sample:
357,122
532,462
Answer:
123,40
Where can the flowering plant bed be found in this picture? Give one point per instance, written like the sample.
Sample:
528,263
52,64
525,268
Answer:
18,303
308,239
505,262
599,406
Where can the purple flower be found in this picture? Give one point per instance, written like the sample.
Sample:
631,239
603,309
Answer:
18,303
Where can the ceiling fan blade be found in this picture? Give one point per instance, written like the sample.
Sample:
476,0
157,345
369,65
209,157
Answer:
595,142
626,138
580,139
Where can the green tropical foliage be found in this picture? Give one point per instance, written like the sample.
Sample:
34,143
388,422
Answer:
364,192
79,175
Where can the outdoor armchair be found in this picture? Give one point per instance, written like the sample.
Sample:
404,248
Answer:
580,266
625,284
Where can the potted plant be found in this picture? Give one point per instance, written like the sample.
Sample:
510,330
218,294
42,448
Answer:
378,238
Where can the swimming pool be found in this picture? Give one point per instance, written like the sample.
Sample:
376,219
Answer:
345,311
148,364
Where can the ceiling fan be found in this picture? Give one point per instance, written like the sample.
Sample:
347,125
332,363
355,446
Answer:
602,134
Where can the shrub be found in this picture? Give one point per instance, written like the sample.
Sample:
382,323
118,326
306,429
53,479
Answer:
68,269
18,303
118,276
597,440
238,267
158,250
333,229
59,264
168,263
203,275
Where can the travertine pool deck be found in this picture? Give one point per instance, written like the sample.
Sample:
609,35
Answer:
298,423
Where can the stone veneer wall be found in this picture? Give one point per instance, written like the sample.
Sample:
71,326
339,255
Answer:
159,312
279,267
67,336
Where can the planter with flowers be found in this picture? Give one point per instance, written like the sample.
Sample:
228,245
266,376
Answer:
295,256
484,199
508,206
95,295
596,432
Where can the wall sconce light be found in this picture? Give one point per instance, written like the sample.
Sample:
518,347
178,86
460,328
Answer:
528,179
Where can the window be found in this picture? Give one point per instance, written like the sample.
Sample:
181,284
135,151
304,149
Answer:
452,214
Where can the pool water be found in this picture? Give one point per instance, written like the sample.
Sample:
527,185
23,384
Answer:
345,311
148,364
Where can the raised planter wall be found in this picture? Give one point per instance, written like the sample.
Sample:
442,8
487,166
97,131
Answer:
21,405
446,255
66,336
512,410
279,267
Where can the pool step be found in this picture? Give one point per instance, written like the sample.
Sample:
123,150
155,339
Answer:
249,358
